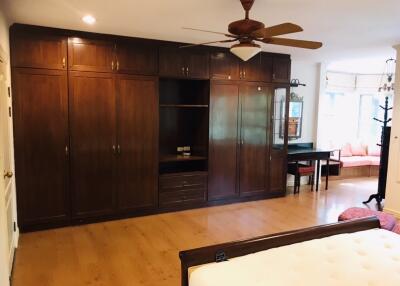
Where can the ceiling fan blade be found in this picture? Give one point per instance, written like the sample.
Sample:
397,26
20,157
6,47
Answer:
207,31
293,43
281,29
206,43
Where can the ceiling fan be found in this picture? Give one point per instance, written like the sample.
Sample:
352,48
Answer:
248,31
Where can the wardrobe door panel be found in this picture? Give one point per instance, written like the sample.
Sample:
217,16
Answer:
90,55
171,62
281,70
224,66
197,63
39,51
41,138
254,147
137,58
223,145
93,146
137,99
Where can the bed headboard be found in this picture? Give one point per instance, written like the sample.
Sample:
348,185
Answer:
224,251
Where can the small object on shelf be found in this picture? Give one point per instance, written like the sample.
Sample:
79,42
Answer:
179,150
186,151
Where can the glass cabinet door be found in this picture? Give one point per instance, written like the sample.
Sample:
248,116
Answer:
279,127
278,155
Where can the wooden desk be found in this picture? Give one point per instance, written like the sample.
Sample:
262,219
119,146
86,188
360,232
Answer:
305,154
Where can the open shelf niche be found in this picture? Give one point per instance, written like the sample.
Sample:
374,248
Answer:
183,122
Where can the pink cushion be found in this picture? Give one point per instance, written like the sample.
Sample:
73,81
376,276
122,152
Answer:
374,151
345,151
355,161
387,220
374,160
396,228
358,150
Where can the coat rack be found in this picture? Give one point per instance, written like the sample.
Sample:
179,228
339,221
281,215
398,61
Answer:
385,137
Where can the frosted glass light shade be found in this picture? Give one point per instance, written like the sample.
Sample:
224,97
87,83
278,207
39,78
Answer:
245,51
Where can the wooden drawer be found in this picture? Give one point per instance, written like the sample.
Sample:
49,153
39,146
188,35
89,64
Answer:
182,197
178,182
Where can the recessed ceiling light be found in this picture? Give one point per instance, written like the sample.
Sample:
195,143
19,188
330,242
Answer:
89,19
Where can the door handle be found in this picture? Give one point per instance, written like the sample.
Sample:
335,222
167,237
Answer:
66,151
187,71
114,149
8,174
118,149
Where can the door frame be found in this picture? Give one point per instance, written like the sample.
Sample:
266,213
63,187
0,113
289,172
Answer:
8,201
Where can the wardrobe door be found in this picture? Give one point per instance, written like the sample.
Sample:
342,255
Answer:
197,63
38,51
138,58
281,70
137,107
253,139
91,55
223,145
224,66
93,142
41,141
171,62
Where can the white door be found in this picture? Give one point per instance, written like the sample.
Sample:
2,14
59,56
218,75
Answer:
7,190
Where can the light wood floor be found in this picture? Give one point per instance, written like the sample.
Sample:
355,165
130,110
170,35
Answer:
144,250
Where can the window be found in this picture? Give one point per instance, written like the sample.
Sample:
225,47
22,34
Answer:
369,130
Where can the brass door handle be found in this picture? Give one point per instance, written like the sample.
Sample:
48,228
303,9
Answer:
8,174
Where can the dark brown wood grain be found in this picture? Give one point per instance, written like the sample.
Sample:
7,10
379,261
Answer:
136,57
281,70
91,55
204,255
254,153
137,113
93,142
224,66
224,144
37,50
40,102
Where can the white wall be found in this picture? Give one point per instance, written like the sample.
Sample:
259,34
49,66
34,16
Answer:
392,201
308,73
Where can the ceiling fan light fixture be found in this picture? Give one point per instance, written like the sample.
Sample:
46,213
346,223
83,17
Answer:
245,51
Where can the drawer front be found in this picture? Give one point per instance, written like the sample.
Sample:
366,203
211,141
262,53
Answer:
172,183
182,197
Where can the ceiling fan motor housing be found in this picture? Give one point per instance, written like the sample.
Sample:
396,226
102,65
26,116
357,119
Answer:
244,27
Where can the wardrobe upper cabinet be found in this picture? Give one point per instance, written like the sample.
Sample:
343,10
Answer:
93,152
39,51
224,66
137,133
197,63
223,144
40,102
171,62
258,68
91,55
139,58
183,63
281,70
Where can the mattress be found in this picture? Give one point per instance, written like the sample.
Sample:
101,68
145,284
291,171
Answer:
367,258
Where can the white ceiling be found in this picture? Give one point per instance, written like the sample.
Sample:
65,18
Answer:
348,28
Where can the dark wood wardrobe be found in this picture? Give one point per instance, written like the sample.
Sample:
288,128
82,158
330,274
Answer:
98,120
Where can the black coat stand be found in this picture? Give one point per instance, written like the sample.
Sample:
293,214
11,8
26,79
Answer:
383,166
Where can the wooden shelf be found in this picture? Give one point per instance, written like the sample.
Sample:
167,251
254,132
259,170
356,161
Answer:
179,158
184,105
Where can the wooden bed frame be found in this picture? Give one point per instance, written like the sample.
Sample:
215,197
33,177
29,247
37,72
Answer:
224,251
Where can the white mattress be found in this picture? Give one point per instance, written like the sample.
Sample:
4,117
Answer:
366,258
